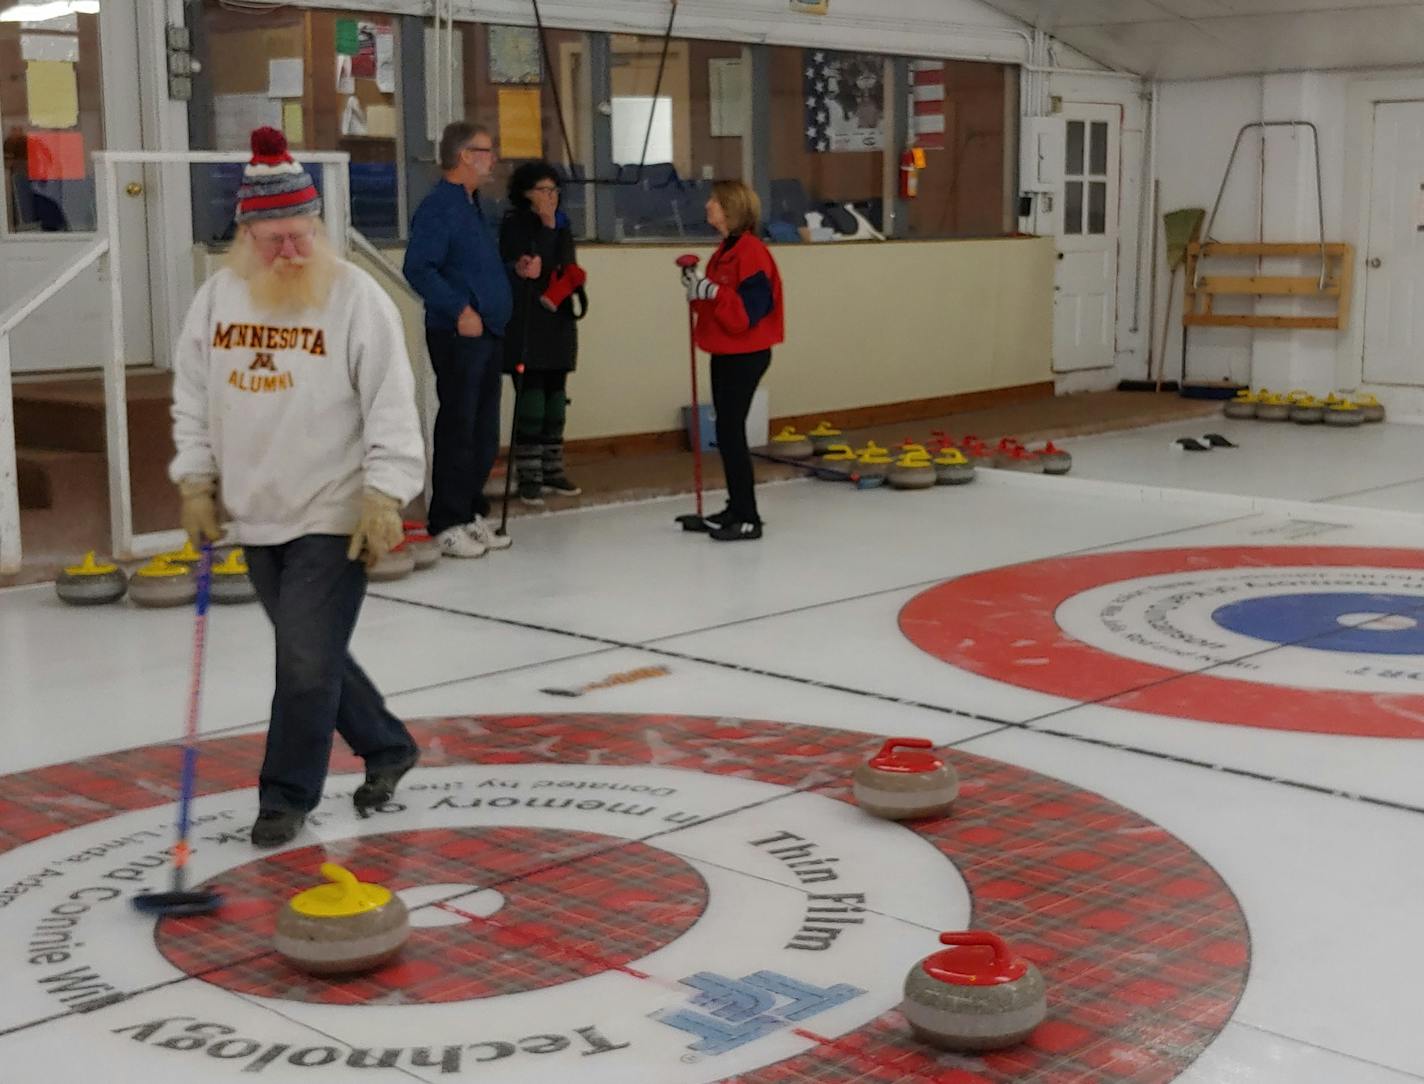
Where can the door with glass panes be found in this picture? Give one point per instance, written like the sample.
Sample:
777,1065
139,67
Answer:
1085,287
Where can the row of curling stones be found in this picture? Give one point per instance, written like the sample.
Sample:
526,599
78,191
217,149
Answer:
1305,409
416,551
170,579
1012,454
342,927
974,994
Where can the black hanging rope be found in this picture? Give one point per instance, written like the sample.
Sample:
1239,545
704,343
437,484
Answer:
559,105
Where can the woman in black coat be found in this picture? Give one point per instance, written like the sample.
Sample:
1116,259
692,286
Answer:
537,245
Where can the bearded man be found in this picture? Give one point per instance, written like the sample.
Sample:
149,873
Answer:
293,390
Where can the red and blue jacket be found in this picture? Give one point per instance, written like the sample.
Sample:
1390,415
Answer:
746,316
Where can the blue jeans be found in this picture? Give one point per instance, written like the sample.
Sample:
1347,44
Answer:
313,594
467,381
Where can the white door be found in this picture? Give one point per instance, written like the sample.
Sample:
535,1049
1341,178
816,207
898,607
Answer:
1085,287
1394,258
49,212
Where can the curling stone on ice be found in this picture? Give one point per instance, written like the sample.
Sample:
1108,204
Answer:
1307,410
952,468
1243,406
974,995
1054,459
91,582
341,927
874,465
842,460
823,438
1371,409
1273,408
230,580
1005,449
789,444
913,470
164,582
423,548
396,565
904,781
188,555
978,453
1344,415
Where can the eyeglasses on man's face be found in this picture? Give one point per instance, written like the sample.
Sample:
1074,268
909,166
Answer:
273,241
478,148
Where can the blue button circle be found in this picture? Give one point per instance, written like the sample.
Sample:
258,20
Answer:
1313,621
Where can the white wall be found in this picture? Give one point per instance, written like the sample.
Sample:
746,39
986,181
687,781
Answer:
1198,122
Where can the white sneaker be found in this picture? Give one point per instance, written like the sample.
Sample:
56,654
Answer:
455,542
481,531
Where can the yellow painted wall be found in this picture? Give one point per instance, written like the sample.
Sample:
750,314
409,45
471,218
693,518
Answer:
866,323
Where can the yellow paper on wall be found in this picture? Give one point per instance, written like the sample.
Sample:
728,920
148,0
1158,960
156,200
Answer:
381,121
293,123
521,128
53,94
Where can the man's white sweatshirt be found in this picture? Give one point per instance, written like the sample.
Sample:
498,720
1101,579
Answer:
296,412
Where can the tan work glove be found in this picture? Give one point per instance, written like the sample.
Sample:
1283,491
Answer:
200,508
380,529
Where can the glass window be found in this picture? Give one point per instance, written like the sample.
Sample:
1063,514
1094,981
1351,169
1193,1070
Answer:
505,87
50,110
672,140
961,115
328,78
828,139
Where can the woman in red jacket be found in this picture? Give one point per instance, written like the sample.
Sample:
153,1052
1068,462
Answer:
738,310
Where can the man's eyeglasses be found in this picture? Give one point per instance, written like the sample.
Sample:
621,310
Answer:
478,150
299,238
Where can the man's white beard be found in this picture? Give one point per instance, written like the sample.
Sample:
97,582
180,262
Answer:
285,286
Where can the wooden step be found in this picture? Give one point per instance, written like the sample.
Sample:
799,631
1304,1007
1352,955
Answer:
49,478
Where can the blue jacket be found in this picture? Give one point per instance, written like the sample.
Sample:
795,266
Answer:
452,261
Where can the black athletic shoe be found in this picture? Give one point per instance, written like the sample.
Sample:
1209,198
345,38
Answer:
721,519
736,532
274,827
560,485
380,785
532,494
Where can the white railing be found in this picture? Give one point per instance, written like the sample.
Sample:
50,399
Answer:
11,550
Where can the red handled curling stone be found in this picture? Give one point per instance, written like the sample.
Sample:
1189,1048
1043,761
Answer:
396,565
341,927
974,995
1054,459
423,548
905,782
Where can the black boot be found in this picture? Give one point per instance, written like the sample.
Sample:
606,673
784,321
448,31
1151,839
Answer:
380,785
736,531
274,827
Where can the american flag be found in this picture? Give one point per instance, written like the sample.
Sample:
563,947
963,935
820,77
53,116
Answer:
927,103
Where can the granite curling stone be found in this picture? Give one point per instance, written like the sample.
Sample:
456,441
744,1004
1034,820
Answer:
974,995
873,466
230,583
952,468
164,582
395,565
1054,459
341,927
1371,408
789,444
423,548
840,462
1273,408
1307,410
1243,406
823,438
1344,414
913,470
904,781
91,582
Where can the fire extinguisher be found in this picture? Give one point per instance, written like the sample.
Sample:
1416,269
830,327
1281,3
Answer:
911,162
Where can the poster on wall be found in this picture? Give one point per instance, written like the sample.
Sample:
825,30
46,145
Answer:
810,7
521,126
514,55
845,101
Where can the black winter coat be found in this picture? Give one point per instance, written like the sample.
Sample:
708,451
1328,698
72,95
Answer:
553,336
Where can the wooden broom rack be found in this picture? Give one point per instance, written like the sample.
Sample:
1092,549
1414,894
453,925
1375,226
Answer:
1333,282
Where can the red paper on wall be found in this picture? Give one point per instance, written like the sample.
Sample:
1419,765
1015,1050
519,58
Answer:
56,156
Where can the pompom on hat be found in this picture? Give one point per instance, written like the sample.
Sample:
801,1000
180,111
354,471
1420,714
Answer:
273,185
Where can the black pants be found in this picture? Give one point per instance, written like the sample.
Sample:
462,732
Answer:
467,381
312,594
734,381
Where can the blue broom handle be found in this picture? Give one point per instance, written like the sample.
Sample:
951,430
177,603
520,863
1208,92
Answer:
190,730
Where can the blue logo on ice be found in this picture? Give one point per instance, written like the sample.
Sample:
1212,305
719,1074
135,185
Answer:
1370,624
738,1011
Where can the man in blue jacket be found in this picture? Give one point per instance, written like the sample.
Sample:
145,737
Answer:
453,262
